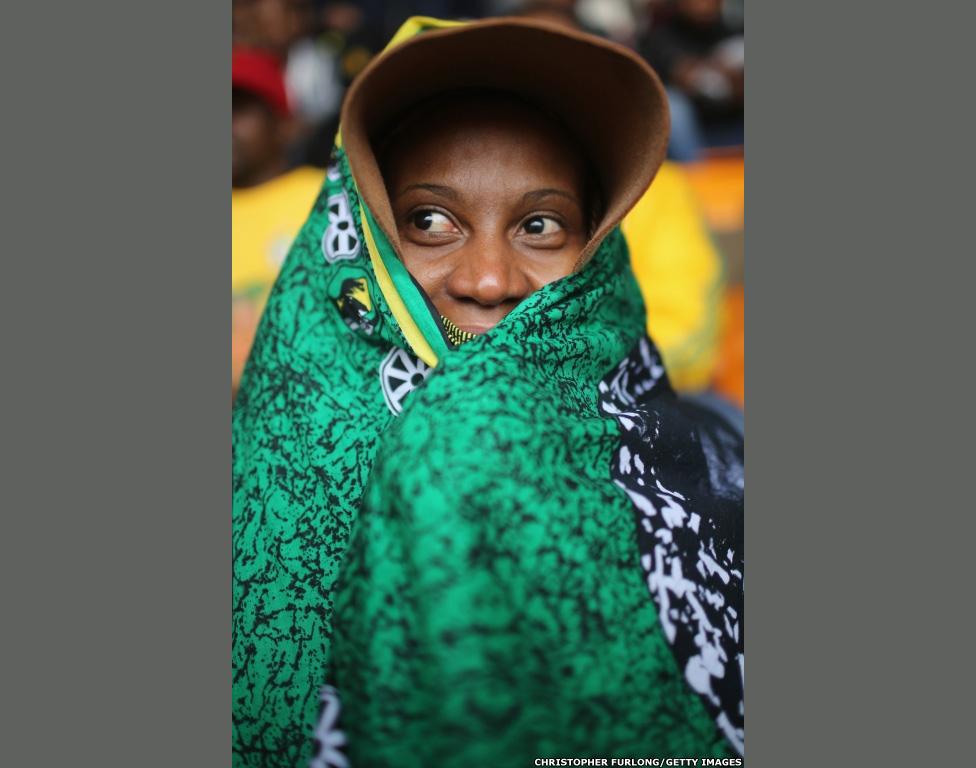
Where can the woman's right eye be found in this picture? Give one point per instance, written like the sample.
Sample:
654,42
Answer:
432,221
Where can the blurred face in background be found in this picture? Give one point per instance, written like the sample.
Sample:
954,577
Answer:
272,24
490,203
704,12
257,140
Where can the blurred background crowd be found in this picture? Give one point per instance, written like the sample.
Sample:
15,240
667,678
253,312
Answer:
294,59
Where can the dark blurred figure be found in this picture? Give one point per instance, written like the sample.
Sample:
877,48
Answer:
395,12
561,12
269,202
260,118
701,58
348,37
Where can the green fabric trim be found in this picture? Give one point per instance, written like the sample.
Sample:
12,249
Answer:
405,286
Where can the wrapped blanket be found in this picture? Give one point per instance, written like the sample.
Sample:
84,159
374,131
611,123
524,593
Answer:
453,551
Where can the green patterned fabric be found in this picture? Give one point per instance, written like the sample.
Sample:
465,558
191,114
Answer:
533,549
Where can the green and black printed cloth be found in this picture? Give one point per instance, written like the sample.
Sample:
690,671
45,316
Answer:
474,554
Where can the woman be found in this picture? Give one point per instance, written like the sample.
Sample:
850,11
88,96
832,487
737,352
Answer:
469,512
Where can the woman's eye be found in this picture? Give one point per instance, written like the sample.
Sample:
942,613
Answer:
541,225
432,221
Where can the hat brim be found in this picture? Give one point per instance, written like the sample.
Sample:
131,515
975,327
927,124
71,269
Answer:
604,93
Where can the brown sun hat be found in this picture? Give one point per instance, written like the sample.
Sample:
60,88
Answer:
606,95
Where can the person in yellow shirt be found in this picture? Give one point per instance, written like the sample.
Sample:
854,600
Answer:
269,203
681,276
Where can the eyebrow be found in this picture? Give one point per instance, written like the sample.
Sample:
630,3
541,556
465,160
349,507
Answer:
534,196
437,189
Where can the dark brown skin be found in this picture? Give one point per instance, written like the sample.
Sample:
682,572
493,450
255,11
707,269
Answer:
271,24
489,201
258,141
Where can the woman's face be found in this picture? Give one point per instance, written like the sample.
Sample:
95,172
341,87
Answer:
489,201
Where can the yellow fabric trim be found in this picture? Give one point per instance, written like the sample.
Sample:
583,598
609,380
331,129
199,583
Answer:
410,330
412,26
417,24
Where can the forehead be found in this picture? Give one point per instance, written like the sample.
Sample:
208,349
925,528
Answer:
470,136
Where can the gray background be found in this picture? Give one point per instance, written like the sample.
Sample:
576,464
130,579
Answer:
116,405
115,415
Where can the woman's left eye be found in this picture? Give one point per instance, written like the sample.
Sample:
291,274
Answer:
541,225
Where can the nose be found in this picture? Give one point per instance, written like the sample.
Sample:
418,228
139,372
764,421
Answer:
487,272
